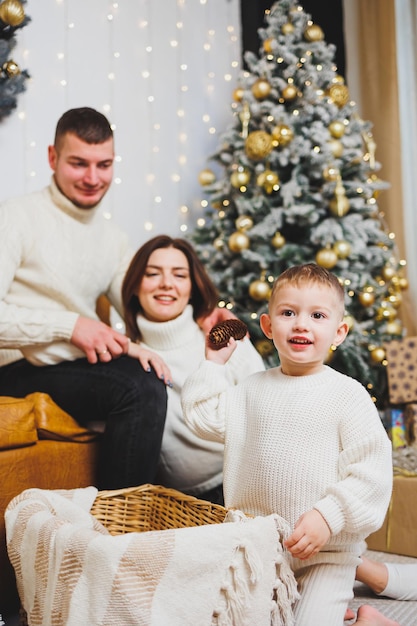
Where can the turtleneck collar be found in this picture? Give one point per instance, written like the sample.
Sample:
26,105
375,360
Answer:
169,335
68,207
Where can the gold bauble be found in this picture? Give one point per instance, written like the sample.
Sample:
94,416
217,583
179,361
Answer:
11,68
206,177
349,320
388,272
268,45
289,92
12,12
326,258
269,180
240,178
336,147
259,290
283,134
264,347
338,79
394,327
366,298
238,241
330,173
342,249
258,145
278,240
386,312
337,129
287,28
313,33
339,93
261,88
403,283
378,354
339,205
395,299
243,222
238,94
218,243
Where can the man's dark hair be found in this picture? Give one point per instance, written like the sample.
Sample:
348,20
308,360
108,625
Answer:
87,124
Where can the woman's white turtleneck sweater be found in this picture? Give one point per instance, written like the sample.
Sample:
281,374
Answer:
55,260
189,463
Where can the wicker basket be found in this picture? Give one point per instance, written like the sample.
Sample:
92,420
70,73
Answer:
152,507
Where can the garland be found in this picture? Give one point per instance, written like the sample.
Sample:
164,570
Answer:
12,78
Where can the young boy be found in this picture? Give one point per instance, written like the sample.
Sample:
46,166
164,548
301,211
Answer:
301,440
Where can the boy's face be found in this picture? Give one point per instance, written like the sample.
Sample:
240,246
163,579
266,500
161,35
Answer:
303,322
83,171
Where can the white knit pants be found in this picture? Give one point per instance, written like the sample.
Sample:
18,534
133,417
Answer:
402,581
326,590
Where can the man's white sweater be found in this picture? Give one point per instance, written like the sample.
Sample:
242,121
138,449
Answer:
55,260
189,463
293,443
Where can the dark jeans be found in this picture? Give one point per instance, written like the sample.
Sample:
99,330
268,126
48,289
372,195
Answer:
131,401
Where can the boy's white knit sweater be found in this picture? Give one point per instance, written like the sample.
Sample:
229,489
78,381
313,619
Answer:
293,443
189,463
55,260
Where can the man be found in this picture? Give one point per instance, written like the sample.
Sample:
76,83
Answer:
57,255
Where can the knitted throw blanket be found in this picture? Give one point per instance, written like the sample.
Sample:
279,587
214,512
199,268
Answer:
71,571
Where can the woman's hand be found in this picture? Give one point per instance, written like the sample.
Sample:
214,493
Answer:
150,360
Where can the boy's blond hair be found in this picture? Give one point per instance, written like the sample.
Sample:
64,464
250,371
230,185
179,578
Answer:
312,273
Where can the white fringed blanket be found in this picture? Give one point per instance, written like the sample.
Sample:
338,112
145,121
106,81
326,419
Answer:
71,571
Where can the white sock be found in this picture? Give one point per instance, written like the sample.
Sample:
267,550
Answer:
402,581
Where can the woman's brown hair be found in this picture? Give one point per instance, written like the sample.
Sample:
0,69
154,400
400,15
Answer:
204,295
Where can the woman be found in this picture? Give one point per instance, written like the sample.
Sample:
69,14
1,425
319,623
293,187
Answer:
165,291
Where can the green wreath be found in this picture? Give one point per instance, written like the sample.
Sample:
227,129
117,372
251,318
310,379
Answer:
12,78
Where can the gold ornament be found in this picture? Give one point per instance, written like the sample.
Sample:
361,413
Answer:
282,134
339,93
278,240
349,320
342,249
206,177
313,33
244,117
336,147
367,297
264,347
339,205
238,94
326,258
394,327
11,68
269,180
261,88
289,92
388,272
258,145
240,177
330,173
244,222
378,354
268,45
238,241
12,12
218,243
287,28
403,283
337,129
259,290
386,312
338,80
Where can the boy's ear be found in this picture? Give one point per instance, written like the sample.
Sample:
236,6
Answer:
265,323
341,333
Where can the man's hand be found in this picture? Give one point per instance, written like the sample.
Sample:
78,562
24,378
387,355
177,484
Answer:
150,360
98,341
219,314
310,534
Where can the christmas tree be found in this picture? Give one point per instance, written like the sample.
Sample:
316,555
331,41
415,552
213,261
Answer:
12,79
294,180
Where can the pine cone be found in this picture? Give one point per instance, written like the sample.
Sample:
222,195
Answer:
220,333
